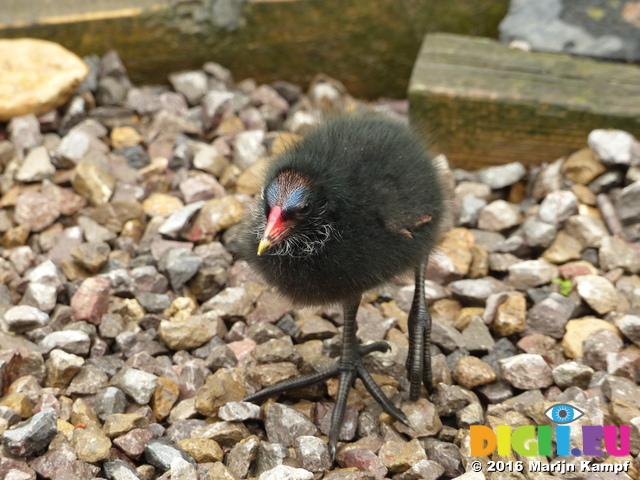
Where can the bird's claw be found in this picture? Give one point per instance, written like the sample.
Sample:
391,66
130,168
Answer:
347,373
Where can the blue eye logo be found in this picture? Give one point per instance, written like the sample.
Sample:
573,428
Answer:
563,413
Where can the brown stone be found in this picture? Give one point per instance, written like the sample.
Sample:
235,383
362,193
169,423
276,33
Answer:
471,372
581,167
164,397
511,316
225,385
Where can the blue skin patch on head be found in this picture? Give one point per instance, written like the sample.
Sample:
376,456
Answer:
274,196
295,197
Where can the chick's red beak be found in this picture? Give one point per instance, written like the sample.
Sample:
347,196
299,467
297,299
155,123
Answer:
274,231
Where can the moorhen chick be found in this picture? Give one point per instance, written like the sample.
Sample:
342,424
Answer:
356,202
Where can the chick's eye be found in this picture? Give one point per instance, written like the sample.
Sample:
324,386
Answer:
304,209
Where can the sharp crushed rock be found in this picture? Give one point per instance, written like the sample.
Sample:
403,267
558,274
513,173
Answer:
129,334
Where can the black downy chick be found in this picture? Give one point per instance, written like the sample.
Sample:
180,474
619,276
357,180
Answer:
355,203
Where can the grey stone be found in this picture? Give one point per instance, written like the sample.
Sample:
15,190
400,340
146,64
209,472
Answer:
210,159
532,273
180,265
136,156
240,411
142,100
537,233
496,392
470,208
77,144
558,206
117,469
71,341
137,384
31,436
627,204
111,91
572,374
446,337
248,148
284,424
489,241
589,231
550,316
621,388
526,371
179,220
448,399
283,472
616,253
36,167
598,346
313,453
161,452
191,84
615,147
477,290
108,401
446,454
551,25
472,414
498,216
24,132
240,457
270,455
24,317
423,470
215,104
629,325
502,175
477,337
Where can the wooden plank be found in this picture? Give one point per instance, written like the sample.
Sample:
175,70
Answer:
369,46
488,104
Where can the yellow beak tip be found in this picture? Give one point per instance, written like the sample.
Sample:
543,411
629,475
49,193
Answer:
263,245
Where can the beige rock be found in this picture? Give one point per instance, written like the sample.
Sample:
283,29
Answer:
216,215
118,424
191,333
91,444
454,255
511,316
93,183
581,167
598,292
36,76
578,330
202,449
125,137
250,181
563,249
471,372
161,204
284,142
400,456
225,385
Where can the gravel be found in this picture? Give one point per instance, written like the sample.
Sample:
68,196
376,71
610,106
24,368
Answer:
129,333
